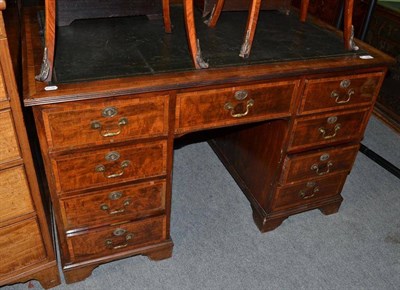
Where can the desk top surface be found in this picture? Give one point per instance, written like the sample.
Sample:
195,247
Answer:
126,46
133,54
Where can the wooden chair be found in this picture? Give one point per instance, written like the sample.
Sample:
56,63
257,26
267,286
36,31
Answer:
253,18
194,44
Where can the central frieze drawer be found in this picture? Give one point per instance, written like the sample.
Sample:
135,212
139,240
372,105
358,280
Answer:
318,163
327,129
115,239
308,192
336,92
104,121
113,205
109,166
234,105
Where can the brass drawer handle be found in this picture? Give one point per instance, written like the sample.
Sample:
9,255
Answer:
342,99
101,168
109,131
306,193
229,107
119,232
106,207
315,167
323,132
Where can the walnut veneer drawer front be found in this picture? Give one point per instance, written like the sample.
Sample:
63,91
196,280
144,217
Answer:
14,193
228,106
110,166
318,163
329,93
9,149
328,128
307,192
105,121
113,205
110,240
21,245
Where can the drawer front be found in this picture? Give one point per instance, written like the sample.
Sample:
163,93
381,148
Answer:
14,194
111,206
308,192
105,121
8,142
110,166
326,129
330,93
318,163
228,106
114,239
21,245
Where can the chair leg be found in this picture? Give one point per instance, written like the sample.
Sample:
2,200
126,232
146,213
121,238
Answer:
193,43
348,29
166,16
303,10
252,20
212,21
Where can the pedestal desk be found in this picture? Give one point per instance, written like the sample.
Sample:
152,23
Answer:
287,123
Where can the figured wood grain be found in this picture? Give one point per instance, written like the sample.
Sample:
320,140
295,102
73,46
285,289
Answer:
253,155
299,166
85,210
14,193
206,109
93,243
21,245
3,93
69,126
26,247
290,196
306,132
8,143
319,94
78,171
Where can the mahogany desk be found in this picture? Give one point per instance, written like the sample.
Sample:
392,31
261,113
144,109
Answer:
287,123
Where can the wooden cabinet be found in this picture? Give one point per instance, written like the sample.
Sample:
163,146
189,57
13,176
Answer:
26,247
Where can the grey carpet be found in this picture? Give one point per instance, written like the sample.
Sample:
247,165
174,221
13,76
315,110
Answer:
217,245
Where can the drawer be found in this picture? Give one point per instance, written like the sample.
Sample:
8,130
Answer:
234,105
308,192
318,163
337,92
326,129
8,141
114,239
113,205
110,166
21,245
105,121
14,194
